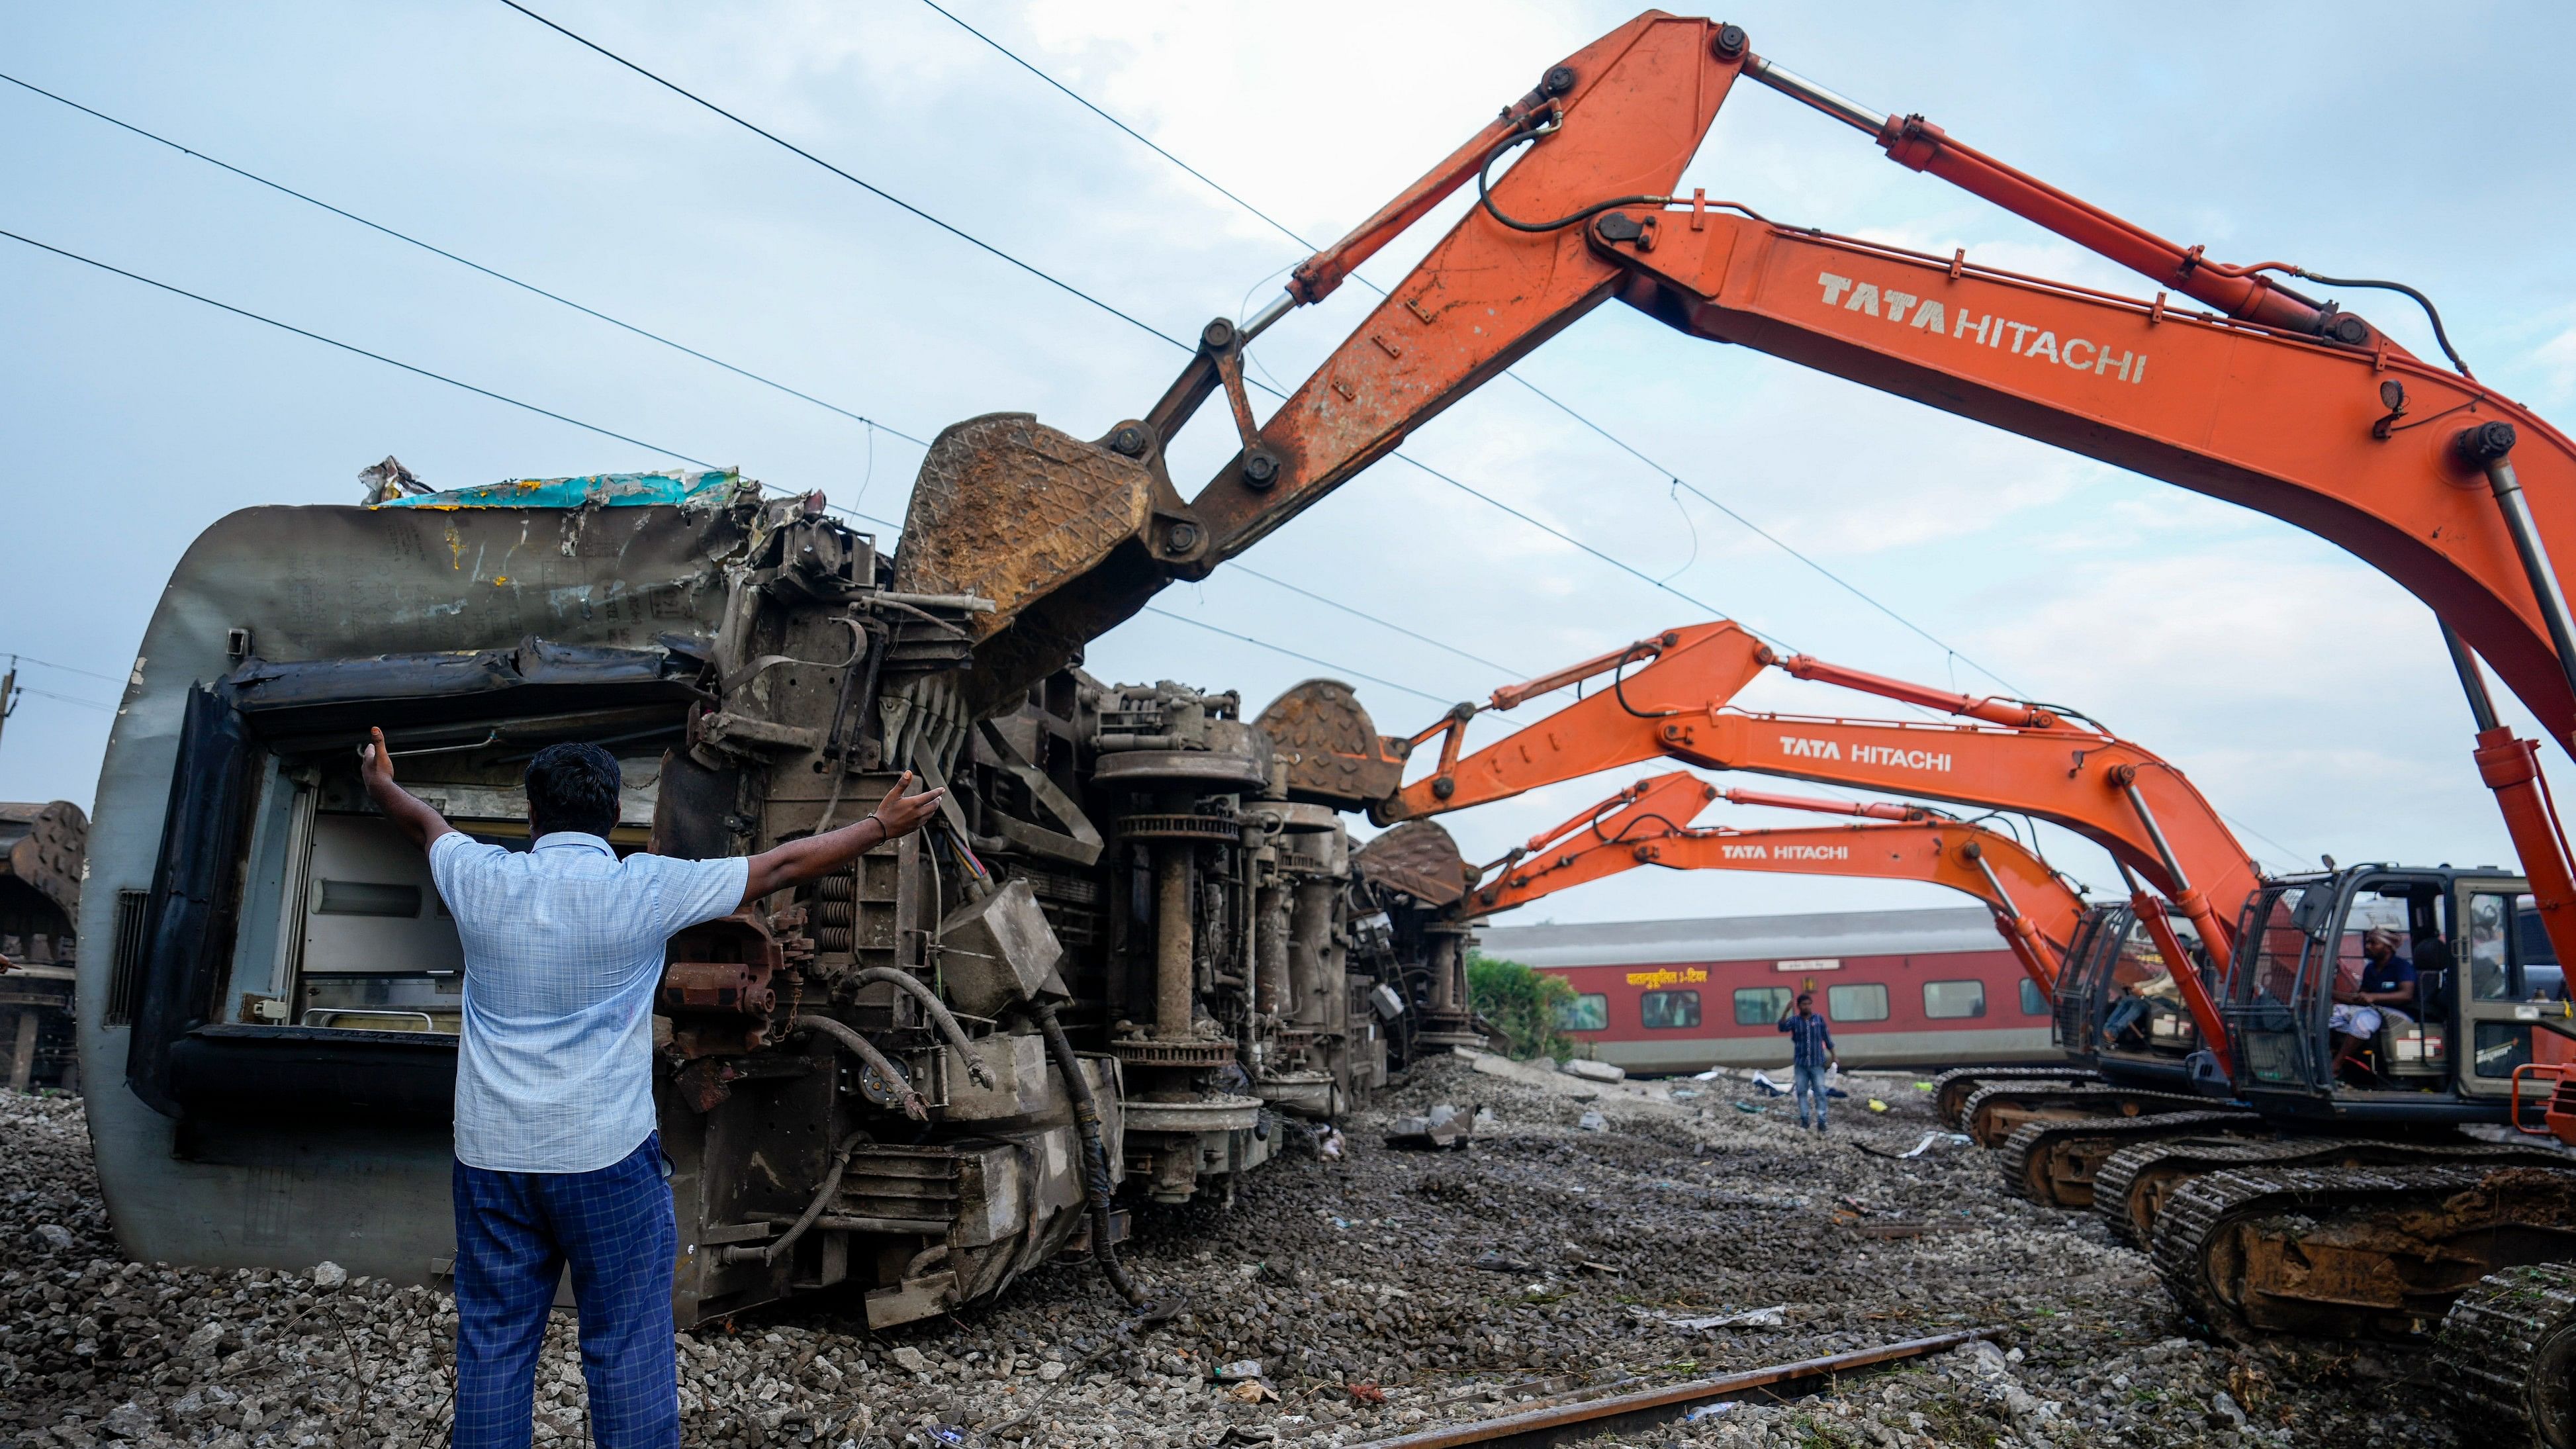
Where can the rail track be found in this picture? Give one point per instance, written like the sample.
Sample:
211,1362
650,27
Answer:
1568,1423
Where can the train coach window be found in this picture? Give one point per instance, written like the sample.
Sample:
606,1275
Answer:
1761,1005
1666,1010
1587,1012
2034,1002
1856,1003
1954,999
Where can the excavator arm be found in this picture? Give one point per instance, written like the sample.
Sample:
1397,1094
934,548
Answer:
2035,911
1668,697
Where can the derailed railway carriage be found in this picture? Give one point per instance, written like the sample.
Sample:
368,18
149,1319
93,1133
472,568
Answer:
1131,925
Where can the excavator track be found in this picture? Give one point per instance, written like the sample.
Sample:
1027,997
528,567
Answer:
2057,1163
1994,1113
2131,1186
2345,1253
1952,1089
2508,1349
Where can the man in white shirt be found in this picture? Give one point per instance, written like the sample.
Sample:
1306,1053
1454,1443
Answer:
557,1159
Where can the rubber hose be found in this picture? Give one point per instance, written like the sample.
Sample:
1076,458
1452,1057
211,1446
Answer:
1095,1152
771,1252
946,1020
866,1051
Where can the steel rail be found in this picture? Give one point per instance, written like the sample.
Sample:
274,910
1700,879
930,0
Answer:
1568,1423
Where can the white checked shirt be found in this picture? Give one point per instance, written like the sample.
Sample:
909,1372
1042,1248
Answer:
563,948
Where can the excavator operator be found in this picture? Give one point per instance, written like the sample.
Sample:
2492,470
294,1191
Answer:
2387,983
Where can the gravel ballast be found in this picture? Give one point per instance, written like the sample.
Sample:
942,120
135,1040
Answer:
1373,1293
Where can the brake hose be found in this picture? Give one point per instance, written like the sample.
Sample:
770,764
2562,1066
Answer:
1095,1151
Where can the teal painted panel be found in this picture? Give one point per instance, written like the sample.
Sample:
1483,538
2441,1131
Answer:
606,490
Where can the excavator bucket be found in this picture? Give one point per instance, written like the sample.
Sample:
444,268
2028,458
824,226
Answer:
1334,753
1418,858
1049,527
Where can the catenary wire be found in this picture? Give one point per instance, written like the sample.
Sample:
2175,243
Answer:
647,333
65,698
353,348
981,245
493,272
621,437
498,275
1549,398
67,669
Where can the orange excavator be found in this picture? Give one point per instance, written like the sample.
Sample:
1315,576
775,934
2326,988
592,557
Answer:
1668,697
2036,912
2227,381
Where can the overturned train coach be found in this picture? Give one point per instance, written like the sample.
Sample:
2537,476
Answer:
1138,923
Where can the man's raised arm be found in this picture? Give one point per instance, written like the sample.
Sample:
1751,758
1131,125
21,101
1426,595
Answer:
376,768
816,856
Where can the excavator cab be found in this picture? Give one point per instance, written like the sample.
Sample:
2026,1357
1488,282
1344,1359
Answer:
2390,994
2118,1009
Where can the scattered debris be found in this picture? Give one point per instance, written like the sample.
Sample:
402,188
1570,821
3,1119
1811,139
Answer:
1775,1316
1592,1071
1443,1129
1593,1122
1367,1393
1329,1144
1762,1082
1239,1370
1949,1139
1497,1263
1876,1105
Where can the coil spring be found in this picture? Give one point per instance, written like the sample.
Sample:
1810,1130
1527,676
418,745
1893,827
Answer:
832,938
839,887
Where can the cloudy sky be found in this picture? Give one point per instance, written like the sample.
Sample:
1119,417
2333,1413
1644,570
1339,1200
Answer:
2309,698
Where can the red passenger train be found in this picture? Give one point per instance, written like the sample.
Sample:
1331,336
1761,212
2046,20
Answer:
1920,988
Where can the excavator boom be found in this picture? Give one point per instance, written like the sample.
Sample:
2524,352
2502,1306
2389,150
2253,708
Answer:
2035,911
1669,697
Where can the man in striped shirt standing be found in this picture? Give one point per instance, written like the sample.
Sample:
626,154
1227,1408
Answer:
558,1161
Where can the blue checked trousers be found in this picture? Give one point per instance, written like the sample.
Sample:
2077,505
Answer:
515,1232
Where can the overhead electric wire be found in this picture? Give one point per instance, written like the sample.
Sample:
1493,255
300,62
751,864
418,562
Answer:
1331,603
1067,287
1551,399
65,698
67,669
877,191
498,275
494,273
352,347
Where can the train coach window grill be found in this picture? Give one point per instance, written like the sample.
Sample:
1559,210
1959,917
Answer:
1587,1012
1950,1000
2034,1002
1668,1010
125,962
1760,1005
1856,1003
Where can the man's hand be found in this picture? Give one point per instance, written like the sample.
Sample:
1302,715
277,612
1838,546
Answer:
899,814
376,771
375,762
816,856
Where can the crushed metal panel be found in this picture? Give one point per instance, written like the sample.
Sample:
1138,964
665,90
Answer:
1335,755
714,486
1418,858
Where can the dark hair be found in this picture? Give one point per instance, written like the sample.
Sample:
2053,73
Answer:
1806,996
573,786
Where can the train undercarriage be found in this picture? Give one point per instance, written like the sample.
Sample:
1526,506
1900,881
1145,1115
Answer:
1134,957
